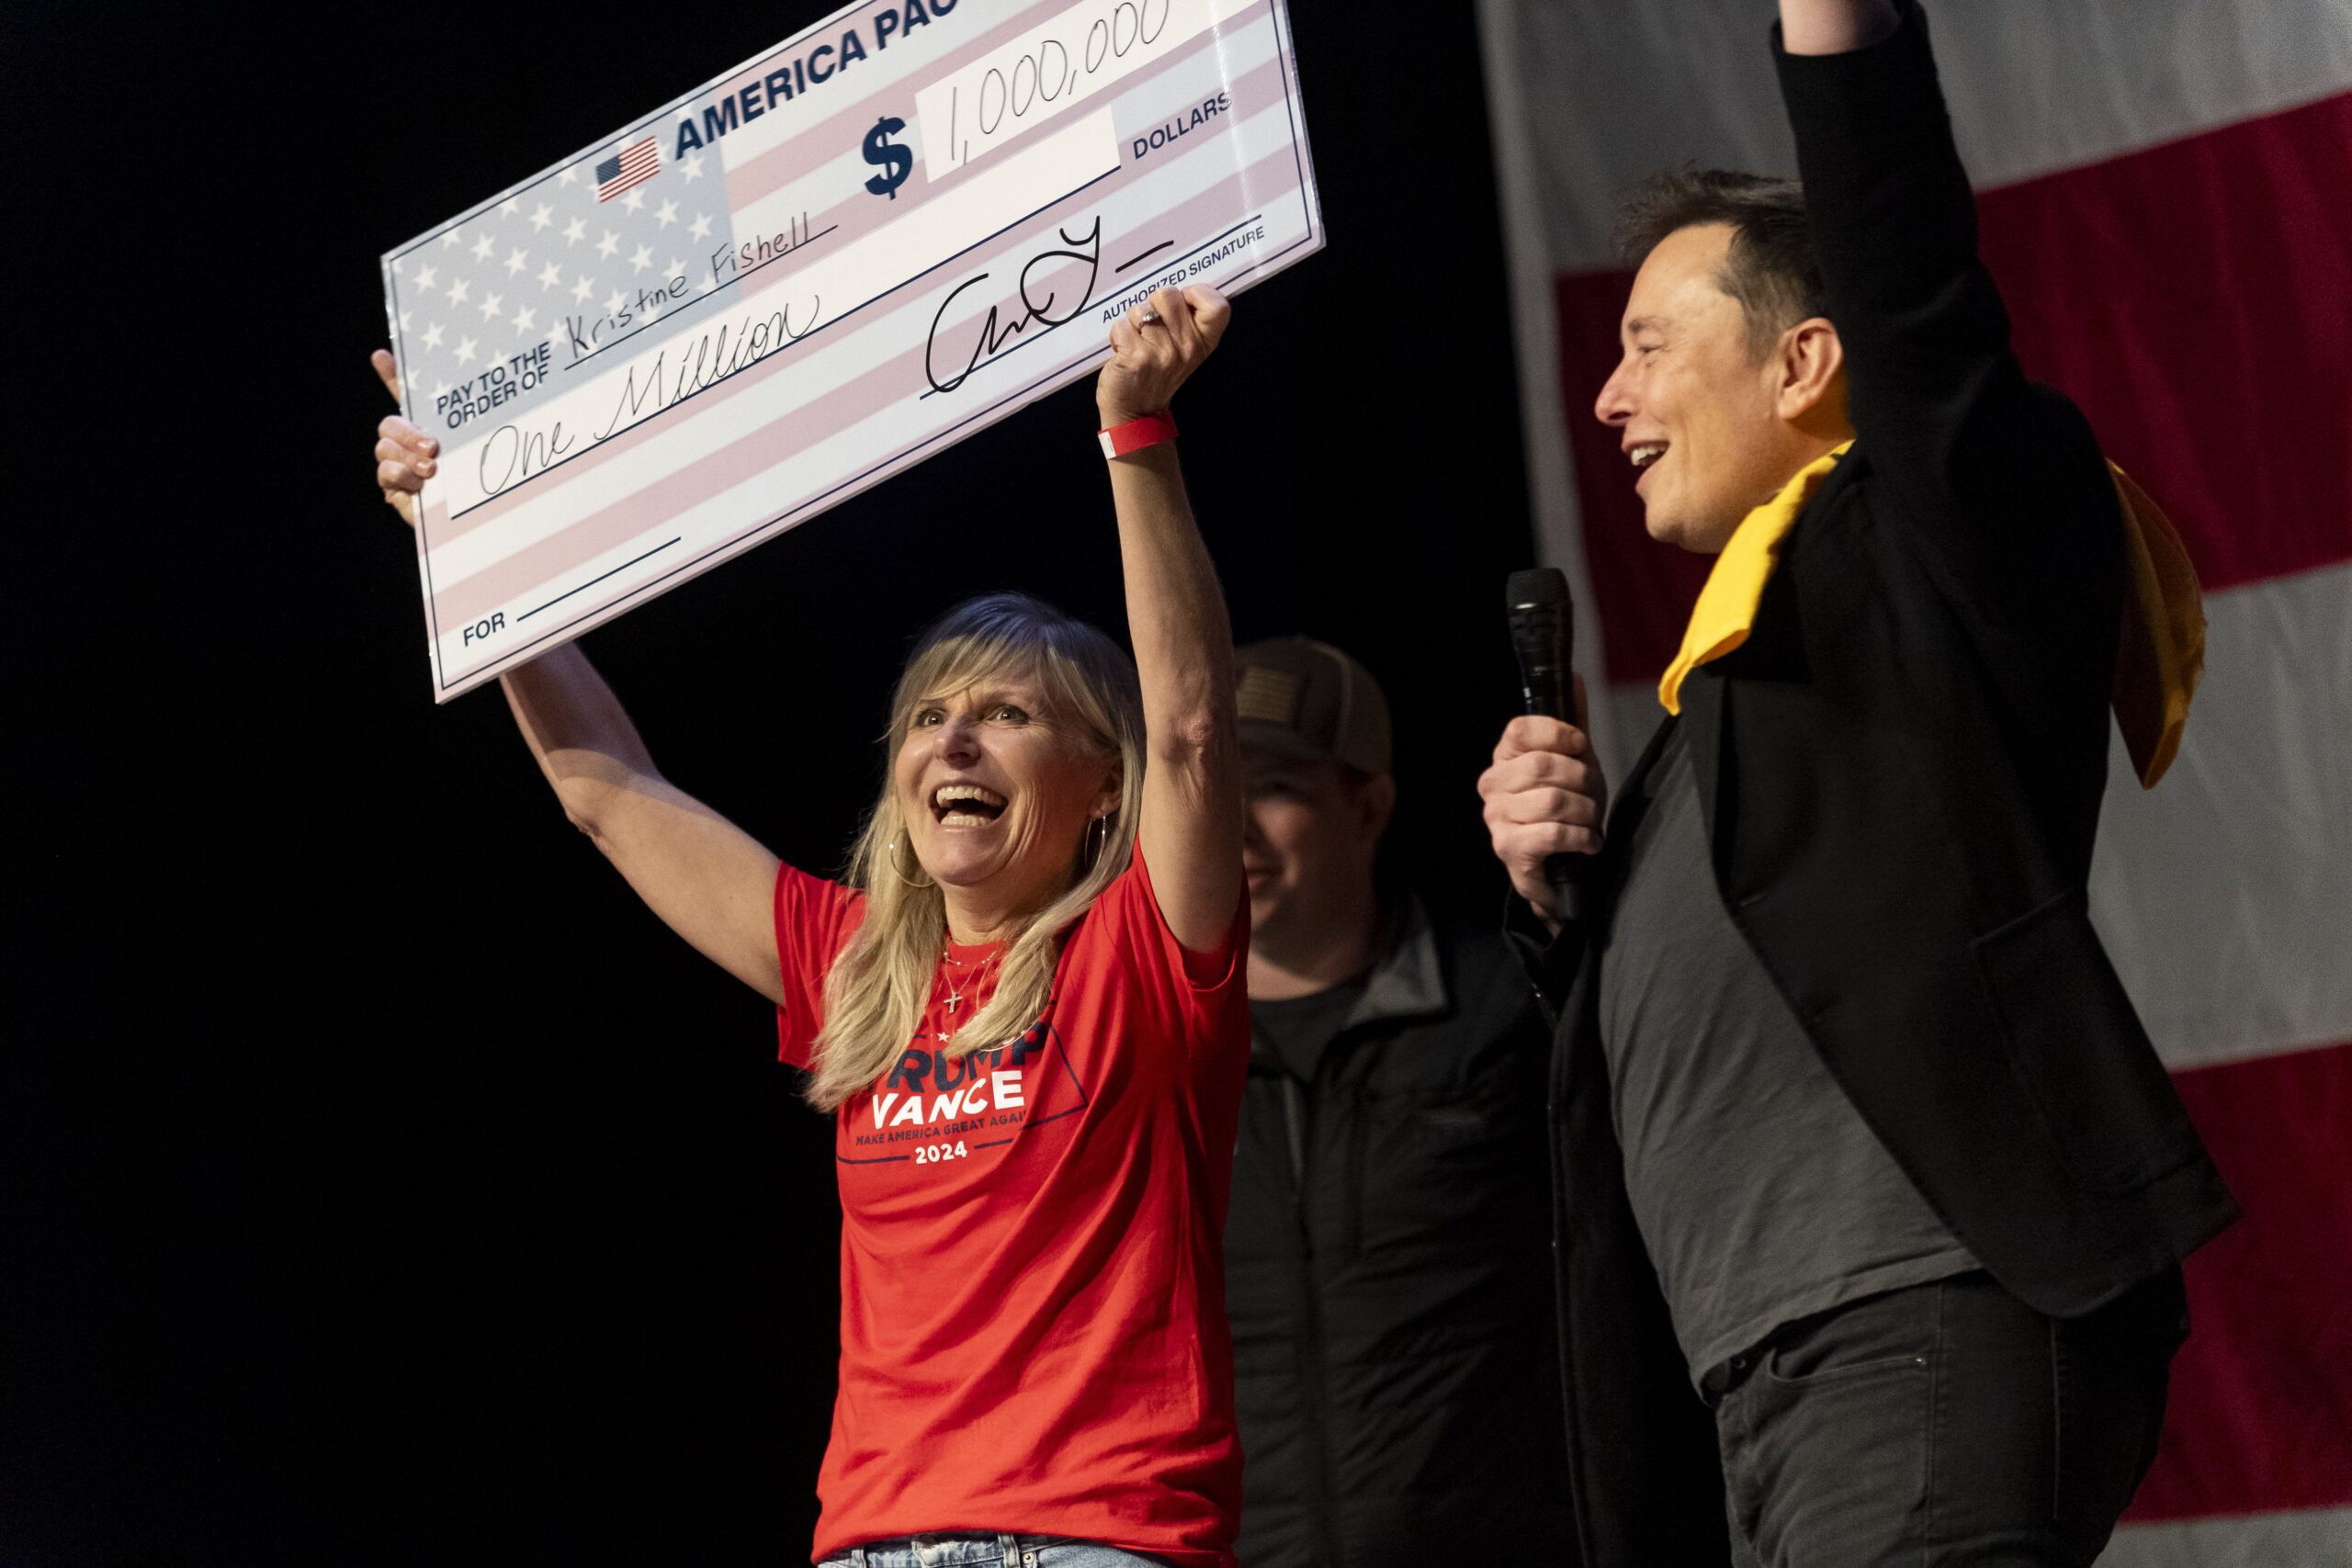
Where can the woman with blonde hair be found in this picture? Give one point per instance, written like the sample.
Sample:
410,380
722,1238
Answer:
1025,1011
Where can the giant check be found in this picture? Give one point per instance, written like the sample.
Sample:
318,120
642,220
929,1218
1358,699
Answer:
871,242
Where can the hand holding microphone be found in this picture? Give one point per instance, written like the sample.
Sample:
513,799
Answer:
1544,794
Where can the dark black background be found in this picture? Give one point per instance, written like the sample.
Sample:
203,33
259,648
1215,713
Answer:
383,1184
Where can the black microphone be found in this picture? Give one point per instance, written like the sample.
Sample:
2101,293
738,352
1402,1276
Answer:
1543,634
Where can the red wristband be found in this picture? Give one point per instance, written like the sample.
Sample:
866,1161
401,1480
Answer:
1118,440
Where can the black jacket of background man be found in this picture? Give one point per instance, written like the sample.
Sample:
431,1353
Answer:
1389,1274
1901,773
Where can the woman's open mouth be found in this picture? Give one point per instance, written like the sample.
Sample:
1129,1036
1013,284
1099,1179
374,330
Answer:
966,806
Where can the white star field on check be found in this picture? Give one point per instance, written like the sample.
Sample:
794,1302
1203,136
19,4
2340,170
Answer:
458,265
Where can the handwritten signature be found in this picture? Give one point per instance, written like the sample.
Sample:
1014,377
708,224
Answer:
995,332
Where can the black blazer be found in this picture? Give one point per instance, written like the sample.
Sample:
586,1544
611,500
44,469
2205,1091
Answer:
1901,773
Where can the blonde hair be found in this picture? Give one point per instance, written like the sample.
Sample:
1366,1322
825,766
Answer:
876,990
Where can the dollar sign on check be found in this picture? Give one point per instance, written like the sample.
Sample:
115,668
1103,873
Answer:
896,161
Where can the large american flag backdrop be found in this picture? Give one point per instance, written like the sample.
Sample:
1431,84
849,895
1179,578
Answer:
2165,197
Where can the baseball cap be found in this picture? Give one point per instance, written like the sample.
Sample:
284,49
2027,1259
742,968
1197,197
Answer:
1307,700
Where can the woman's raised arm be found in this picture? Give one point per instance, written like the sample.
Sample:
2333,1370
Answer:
708,880
1192,794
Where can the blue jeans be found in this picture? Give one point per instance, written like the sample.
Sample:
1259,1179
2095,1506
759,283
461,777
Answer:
973,1550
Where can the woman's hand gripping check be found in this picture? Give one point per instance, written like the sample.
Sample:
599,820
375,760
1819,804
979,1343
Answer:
1154,347
405,456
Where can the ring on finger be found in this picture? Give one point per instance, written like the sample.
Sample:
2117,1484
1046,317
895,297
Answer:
1148,316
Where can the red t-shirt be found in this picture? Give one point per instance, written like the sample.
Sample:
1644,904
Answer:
1032,1278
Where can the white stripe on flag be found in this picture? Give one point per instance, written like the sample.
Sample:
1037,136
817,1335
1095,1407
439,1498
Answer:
2225,893
1624,91
2314,1535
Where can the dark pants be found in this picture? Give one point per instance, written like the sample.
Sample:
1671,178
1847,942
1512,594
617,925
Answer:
1945,1424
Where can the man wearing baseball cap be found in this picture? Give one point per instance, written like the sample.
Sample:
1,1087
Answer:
1388,1248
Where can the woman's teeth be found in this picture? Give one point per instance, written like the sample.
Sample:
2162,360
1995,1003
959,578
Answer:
966,806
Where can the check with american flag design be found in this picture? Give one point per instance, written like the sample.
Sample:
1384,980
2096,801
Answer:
879,238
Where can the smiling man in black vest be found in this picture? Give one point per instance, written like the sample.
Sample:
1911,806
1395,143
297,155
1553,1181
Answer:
1857,1132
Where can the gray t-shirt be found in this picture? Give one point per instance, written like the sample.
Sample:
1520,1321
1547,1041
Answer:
1299,1028
1761,1193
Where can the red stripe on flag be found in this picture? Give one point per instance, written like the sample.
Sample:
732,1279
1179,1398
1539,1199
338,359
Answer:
2261,1411
2194,298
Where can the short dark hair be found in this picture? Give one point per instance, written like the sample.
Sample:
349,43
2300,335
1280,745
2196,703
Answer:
1771,271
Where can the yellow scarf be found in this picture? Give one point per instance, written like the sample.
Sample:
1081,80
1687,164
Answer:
2157,662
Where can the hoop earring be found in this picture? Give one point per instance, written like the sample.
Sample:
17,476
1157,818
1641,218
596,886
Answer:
890,860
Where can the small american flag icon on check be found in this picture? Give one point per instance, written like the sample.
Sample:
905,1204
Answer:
632,165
